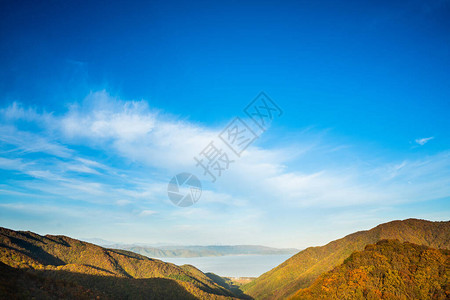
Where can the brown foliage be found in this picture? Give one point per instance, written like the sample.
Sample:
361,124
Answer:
303,268
55,265
387,270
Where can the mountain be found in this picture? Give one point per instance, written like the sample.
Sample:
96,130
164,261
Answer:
21,284
303,268
61,267
201,251
386,270
161,253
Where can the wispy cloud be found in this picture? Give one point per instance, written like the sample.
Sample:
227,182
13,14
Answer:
423,141
139,134
147,212
120,154
23,142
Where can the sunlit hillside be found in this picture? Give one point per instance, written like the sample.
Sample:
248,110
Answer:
386,270
59,265
303,268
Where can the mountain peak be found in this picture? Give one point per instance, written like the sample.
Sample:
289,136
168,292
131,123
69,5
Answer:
60,260
388,269
303,268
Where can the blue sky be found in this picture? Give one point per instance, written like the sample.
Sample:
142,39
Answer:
102,103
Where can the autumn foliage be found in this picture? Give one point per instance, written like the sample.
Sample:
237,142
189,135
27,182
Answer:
56,267
302,269
386,270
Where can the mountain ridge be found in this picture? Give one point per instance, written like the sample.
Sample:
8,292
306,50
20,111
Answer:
108,272
303,268
203,251
388,269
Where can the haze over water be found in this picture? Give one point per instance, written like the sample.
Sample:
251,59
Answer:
232,265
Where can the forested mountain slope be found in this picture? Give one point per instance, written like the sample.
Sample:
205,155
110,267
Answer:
303,268
59,265
386,270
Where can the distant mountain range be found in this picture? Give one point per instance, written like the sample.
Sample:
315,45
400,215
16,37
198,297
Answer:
55,267
202,251
302,269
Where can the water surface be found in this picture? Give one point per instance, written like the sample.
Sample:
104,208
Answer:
232,265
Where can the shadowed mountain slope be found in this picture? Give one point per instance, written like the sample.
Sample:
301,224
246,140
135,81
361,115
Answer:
88,269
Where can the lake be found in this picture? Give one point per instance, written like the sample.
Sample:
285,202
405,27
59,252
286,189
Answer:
232,265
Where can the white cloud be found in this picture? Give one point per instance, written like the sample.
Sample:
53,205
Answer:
423,141
147,212
28,142
41,209
12,164
109,118
16,111
134,149
134,131
123,202
80,168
